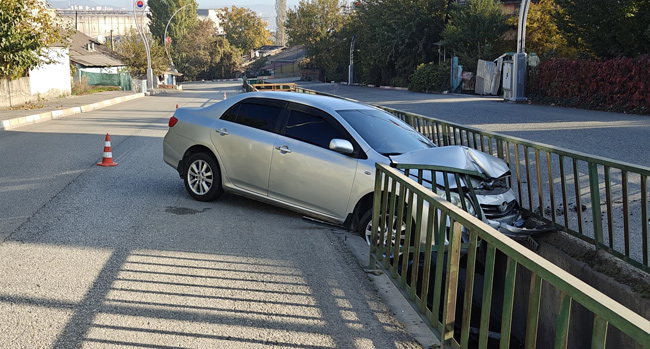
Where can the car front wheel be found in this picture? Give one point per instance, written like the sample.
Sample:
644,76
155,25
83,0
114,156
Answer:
203,177
365,230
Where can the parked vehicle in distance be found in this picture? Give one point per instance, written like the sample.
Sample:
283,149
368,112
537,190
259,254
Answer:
316,155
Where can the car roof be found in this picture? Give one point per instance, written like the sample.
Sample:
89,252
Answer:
326,103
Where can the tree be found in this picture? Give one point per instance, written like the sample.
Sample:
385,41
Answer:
542,34
474,28
244,29
181,23
132,52
606,28
395,36
205,54
318,26
162,12
27,29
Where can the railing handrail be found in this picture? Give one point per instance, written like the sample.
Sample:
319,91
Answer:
629,322
541,146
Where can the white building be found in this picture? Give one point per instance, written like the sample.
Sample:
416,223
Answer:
212,15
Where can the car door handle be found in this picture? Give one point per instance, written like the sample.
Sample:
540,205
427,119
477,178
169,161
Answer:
283,149
222,132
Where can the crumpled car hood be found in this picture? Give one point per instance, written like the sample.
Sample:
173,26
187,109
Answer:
455,156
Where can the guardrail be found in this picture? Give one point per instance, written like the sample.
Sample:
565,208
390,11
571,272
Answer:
564,188
263,86
561,187
440,262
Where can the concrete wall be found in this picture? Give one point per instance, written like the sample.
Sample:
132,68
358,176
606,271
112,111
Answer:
104,23
609,275
52,80
47,81
14,92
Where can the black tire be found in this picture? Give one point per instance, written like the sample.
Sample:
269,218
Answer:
364,228
203,177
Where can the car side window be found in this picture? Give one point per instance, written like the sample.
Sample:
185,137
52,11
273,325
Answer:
261,116
258,113
311,128
231,114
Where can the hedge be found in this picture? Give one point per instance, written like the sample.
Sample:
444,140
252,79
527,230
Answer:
617,85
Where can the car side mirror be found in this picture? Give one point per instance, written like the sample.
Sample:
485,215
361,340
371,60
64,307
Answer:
342,146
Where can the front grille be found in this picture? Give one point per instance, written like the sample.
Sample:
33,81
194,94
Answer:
496,211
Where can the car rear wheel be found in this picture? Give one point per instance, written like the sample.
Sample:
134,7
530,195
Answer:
203,177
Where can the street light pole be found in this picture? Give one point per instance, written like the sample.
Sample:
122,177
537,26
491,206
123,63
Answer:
140,29
351,68
165,36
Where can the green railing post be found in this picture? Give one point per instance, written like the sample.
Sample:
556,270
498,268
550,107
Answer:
596,215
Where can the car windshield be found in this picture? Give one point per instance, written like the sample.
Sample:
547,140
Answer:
385,133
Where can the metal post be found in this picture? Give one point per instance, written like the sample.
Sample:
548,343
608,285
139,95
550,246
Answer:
519,59
351,68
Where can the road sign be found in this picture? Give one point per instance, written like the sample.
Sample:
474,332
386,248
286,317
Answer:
168,40
140,3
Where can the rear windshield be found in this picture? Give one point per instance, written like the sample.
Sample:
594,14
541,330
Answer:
385,133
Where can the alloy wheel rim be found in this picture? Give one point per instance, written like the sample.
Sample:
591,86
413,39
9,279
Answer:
368,234
200,177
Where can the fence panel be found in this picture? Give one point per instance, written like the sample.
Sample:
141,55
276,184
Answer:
461,304
595,192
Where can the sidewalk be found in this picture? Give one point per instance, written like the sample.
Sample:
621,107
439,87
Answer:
61,107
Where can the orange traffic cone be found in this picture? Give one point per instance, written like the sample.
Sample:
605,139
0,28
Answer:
224,94
176,106
107,160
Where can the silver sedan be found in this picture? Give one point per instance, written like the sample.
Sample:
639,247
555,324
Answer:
315,155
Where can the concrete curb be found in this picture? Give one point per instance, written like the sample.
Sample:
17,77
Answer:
381,87
60,113
224,80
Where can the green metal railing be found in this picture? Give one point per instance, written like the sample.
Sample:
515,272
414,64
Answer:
444,255
564,188
599,200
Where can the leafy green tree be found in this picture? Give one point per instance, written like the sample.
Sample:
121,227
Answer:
474,29
318,25
205,54
606,28
542,34
27,29
394,36
244,29
132,52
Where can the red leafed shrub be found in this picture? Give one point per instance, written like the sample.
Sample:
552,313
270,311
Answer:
619,85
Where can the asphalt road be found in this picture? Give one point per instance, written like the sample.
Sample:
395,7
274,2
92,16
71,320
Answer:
121,256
